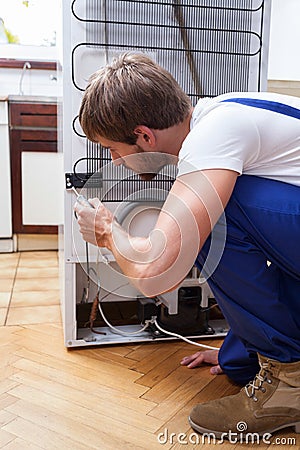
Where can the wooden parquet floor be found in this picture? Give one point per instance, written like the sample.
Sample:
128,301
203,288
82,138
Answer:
116,397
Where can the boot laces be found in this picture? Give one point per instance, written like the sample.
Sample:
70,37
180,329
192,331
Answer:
257,383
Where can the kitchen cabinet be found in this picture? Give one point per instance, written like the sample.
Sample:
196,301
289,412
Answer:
33,152
6,238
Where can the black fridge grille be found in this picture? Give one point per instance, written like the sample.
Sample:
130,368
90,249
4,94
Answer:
209,46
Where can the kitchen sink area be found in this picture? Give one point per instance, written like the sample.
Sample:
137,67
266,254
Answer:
31,184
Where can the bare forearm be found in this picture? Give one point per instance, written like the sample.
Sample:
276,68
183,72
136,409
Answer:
143,260
131,253
157,264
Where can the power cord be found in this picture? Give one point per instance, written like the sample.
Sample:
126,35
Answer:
117,330
113,328
154,321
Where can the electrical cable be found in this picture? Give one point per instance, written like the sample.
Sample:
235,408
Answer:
182,337
86,291
147,322
88,271
117,330
114,329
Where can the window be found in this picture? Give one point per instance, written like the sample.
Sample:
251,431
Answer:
29,28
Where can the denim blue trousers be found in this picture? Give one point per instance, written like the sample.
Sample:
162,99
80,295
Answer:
257,281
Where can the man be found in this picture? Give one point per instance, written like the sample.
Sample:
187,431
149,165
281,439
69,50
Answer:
239,152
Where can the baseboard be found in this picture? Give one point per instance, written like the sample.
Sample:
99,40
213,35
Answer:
29,242
284,87
7,245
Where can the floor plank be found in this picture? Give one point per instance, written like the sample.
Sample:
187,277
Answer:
110,375
40,436
86,413
18,444
120,396
112,405
5,437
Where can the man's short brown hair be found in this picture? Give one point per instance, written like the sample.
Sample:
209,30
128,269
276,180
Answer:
132,90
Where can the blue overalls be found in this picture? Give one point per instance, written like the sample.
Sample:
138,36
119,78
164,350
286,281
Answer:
261,301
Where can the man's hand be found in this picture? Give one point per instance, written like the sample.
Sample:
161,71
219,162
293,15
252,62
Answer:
207,356
95,223
159,262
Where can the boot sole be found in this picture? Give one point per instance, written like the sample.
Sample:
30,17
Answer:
221,435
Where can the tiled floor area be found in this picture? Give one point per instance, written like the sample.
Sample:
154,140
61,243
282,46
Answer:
29,288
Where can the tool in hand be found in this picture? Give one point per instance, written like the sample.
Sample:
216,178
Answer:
84,202
82,199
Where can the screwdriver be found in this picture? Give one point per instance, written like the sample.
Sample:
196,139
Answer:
84,202
82,199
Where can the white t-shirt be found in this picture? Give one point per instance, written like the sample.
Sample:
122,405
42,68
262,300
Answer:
242,138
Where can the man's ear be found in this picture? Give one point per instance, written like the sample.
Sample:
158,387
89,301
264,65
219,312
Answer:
145,136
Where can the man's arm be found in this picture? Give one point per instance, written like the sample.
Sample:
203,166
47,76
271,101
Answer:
158,263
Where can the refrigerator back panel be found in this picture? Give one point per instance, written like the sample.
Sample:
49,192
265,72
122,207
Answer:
210,47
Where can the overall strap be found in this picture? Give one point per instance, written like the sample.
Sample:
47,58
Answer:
280,108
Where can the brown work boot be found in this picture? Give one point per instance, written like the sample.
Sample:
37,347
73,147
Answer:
268,403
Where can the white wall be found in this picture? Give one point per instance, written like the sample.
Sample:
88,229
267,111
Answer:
284,59
35,82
